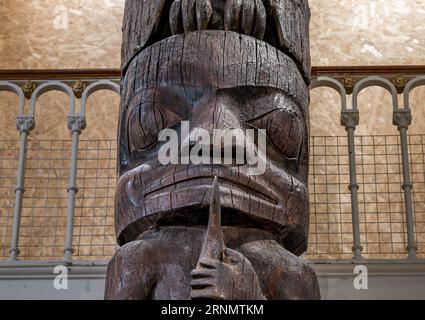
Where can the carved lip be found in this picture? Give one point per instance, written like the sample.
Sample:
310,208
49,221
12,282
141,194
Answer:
254,188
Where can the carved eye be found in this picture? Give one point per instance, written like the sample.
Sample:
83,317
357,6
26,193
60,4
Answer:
146,122
285,130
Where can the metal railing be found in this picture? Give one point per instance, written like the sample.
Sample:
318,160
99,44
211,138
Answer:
25,123
43,218
380,198
395,84
362,201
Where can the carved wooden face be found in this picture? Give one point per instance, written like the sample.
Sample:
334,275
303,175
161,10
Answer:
218,64
201,79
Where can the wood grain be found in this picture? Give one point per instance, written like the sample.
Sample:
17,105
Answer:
213,231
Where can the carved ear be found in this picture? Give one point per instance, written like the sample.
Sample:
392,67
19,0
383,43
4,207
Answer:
143,18
291,20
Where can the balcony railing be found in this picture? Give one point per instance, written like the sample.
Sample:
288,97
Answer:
367,191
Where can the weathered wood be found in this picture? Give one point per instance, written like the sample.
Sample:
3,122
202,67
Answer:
281,23
202,64
213,231
142,26
158,265
222,60
292,23
221,272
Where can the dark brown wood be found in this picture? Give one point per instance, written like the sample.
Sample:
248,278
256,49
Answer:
224,75
234,263
282,23
221,272
213,231
291,21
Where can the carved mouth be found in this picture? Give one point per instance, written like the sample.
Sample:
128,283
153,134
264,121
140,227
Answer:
255,189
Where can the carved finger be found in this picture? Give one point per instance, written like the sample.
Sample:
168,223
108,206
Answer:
209,263
204,11
189,15
207,293
198,284
232,14
260,20
203,273
247,16
176,22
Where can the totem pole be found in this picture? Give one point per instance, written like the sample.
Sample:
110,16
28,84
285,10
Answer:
205,230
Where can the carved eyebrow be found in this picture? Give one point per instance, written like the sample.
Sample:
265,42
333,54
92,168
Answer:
264,114
251,93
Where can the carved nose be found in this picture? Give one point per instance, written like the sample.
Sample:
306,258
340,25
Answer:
242,16
214,116
216,110
227,149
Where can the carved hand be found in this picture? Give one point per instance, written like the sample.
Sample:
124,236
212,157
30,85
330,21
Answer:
222,273
242,16
190,15
245,16
233,278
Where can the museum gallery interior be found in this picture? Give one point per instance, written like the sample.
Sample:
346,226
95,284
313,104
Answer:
212,149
